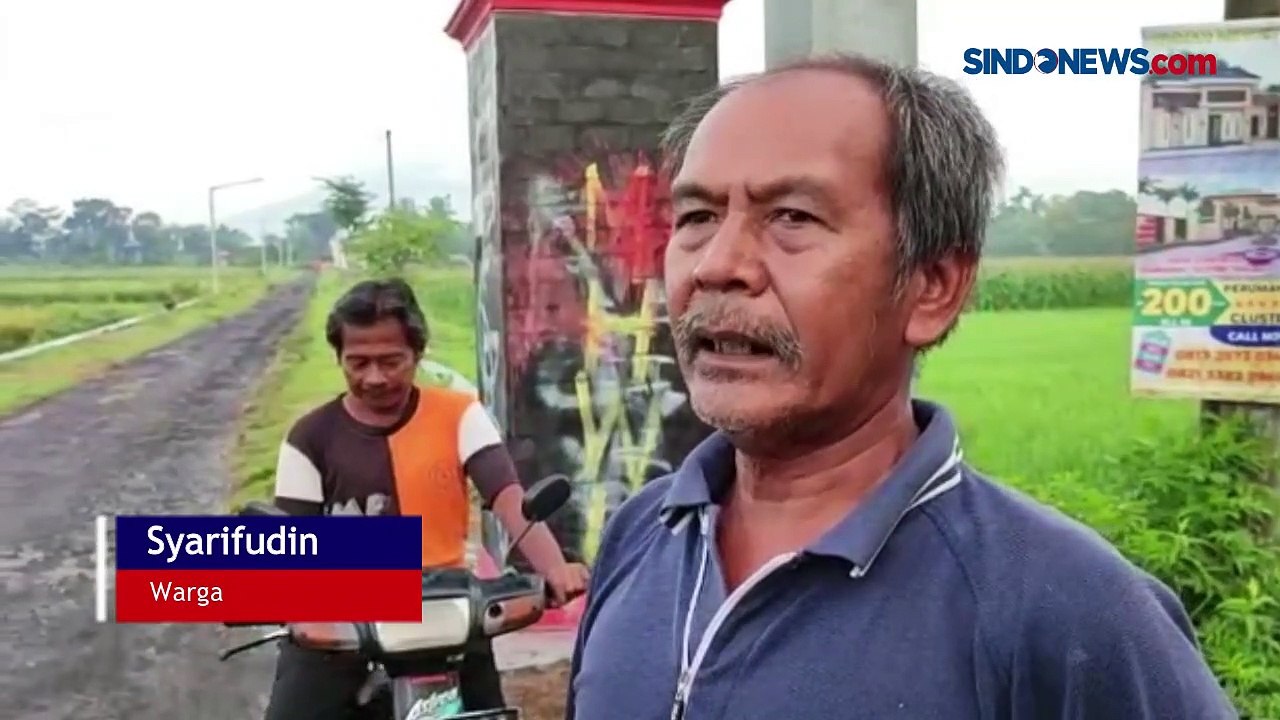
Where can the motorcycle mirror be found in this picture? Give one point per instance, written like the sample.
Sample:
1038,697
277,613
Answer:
257,508
546,497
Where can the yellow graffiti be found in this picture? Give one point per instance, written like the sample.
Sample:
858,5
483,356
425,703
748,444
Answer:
610,433
593,193
601,323
613,427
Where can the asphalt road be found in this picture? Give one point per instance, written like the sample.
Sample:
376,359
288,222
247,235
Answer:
151,436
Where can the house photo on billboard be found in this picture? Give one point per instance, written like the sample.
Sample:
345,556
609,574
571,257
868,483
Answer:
1209,156
1234,108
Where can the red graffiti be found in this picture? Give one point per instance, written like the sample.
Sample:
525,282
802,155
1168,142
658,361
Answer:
608,220
633,222
543,301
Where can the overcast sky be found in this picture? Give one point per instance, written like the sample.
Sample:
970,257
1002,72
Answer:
148,102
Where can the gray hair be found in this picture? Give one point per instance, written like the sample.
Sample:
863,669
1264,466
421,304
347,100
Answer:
943,161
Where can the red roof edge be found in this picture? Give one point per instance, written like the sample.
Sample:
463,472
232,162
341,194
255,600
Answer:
471,16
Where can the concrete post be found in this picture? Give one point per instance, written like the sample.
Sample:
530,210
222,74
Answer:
568,99
884,29
1241,9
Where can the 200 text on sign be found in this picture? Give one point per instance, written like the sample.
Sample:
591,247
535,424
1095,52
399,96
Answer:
268,569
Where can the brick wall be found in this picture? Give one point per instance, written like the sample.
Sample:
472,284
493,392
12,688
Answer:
569,110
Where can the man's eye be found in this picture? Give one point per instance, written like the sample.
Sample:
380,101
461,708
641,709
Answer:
789,216
694,217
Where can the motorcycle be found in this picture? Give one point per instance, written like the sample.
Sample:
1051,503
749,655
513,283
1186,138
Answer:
419,663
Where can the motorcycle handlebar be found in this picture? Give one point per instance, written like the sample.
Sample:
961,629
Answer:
501,604
546,594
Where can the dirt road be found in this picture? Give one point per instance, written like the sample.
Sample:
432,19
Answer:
150,437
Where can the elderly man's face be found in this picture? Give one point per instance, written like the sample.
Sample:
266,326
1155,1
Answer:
780,267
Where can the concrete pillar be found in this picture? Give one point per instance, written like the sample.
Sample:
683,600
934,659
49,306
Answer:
886,29
1239,9
800,28
567,102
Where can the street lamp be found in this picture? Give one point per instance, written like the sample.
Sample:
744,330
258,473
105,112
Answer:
213,226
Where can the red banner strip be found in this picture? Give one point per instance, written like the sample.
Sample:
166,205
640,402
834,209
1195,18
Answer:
214,596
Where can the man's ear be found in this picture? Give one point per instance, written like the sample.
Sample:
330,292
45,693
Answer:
937,293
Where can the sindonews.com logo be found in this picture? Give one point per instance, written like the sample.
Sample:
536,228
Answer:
1086,61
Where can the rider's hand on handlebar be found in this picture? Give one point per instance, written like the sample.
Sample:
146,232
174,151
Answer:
567,582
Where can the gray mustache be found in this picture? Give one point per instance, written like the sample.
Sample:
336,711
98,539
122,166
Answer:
703,318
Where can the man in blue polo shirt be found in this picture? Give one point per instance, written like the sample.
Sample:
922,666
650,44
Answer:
827,554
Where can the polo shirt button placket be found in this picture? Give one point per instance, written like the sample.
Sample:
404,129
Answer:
680,703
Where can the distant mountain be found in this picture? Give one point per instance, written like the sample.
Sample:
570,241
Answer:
413,180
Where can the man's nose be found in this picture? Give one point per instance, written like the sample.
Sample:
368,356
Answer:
731,259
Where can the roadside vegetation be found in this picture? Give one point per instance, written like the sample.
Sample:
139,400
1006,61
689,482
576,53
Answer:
38,304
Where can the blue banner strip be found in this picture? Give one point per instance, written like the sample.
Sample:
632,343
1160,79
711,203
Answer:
217,542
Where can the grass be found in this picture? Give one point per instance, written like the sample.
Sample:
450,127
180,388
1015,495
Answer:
448,298
22,325
33,378
1038,392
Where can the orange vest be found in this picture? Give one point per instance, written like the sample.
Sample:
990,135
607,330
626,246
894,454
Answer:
429,478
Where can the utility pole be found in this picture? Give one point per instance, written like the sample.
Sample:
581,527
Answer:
262,242
213,244
883,29
391,177
1264,417
213,229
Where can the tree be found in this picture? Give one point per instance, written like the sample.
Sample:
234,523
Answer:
308,235
1188,193
191,242
346,201
399,238
1018,226
456,236
158,244
1091,223
97,230
35,229
13,246
1084,223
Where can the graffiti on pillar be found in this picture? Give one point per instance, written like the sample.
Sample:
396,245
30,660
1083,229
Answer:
588,341
488,333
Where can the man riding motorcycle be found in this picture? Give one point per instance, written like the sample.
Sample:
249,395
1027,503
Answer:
390,447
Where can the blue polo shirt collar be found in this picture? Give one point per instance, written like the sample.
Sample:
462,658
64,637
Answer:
929,468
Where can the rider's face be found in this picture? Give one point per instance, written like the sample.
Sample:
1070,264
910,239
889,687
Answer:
378,363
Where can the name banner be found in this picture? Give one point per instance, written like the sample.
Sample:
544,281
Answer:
201,568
